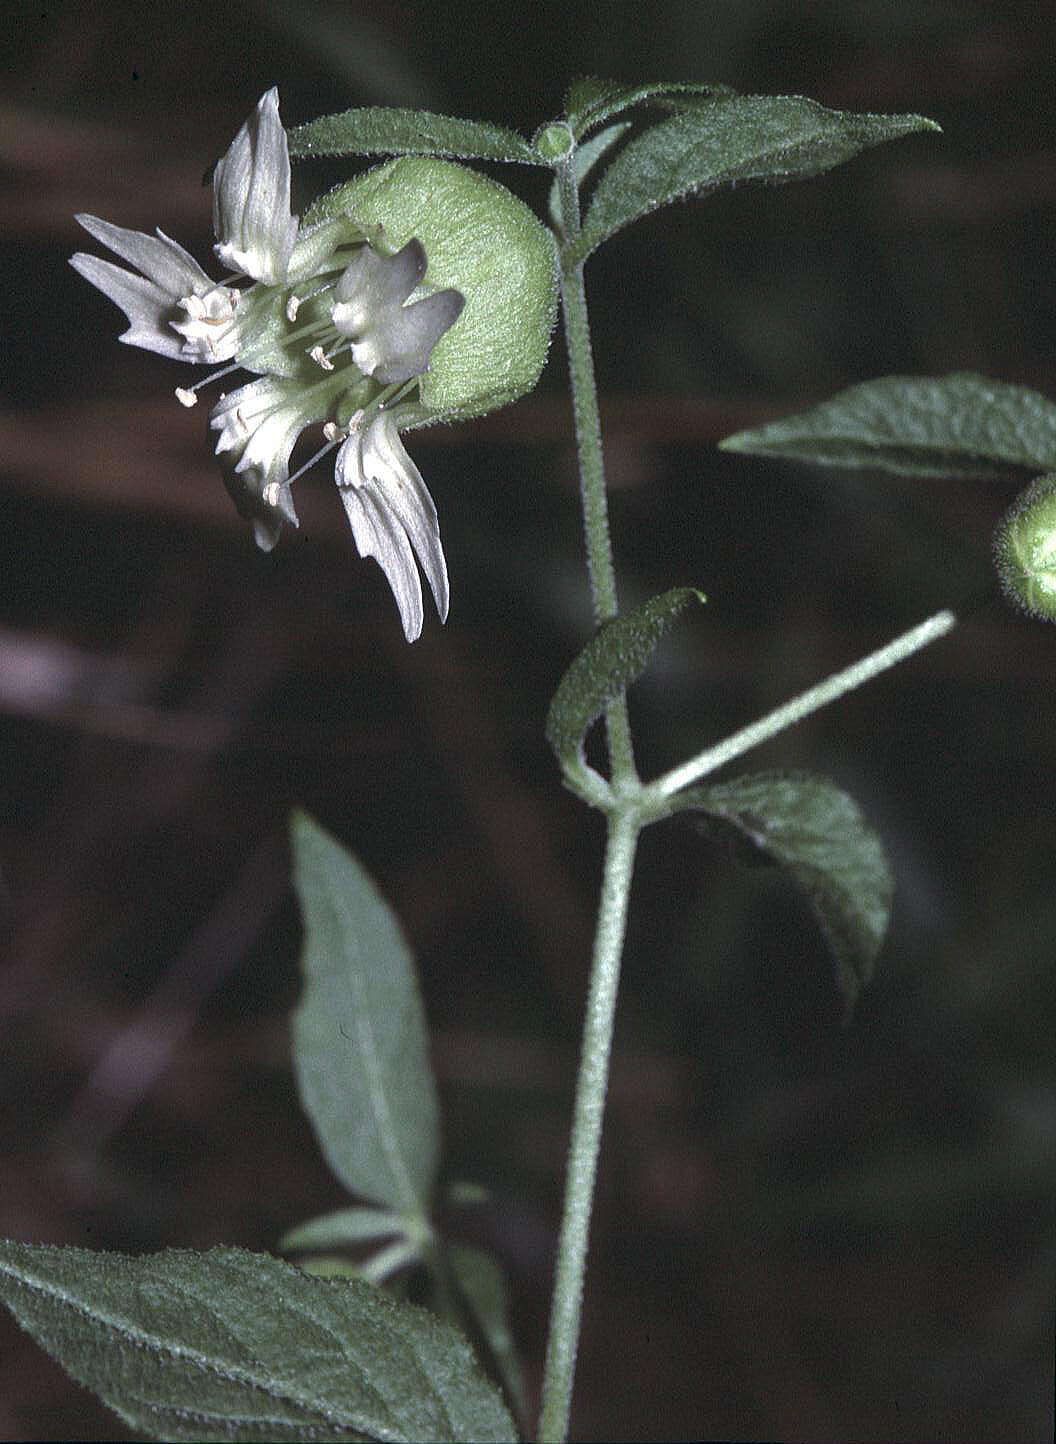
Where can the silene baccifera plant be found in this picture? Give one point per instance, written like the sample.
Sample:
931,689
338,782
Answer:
418,292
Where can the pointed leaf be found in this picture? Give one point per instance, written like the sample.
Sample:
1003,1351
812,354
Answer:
587,156
343,1227
961,425
616,655
236,1345
818,833
752,137
360,1044
383,130
590,101
483,1283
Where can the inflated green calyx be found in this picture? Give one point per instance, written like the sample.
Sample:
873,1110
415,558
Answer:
481,240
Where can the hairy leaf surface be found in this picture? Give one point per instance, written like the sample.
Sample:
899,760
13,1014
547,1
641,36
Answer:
384,130
961,425
817,832
235,1345
747,138
615,656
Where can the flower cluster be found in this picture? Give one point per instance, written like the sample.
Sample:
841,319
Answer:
326,328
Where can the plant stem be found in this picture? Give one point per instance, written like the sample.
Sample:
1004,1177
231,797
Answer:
594,499
624,824
802,706
591,1088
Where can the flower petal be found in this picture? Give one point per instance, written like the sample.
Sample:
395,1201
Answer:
372,284
393,517
150,300
391,341
404,347
149,309
161,259
259,425
254,228
386,463
378,534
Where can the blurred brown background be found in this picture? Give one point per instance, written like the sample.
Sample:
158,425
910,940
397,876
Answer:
803,1232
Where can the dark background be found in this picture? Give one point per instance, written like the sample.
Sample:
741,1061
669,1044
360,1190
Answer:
804,1231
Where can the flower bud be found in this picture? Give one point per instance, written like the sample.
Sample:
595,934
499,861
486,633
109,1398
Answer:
1025,549
482,241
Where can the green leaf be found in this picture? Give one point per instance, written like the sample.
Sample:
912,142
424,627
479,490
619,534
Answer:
590,101
961,425
615,656
818,833
587,155
359,1036
383,130
751,137
343,1227
237,1345
483,1284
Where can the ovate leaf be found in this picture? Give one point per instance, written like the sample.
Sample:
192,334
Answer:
616,655
359,1036
752,137
383,130
958,426
236,1345
819,835
590,101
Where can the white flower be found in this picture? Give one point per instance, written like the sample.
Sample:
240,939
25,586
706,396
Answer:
172,295
342,345
259,425
255,231
391,341
392,516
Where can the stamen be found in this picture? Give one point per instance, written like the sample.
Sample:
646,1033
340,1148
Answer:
185,395
306,467
320,358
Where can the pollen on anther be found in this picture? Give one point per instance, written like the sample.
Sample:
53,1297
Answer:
293,305
320,358
185,397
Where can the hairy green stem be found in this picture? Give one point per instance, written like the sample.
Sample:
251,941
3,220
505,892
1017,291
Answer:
594,499
591,1088
624,824
802,706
